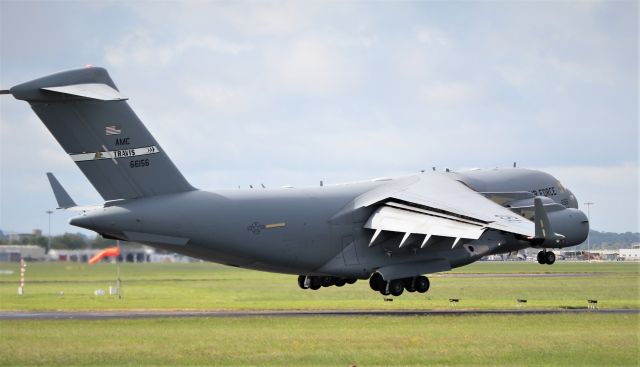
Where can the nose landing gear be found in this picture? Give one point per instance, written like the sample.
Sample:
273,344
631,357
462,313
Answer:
546,257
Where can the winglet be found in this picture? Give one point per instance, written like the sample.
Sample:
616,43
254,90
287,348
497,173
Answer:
543,225
63,199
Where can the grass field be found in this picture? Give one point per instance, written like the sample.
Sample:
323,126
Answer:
586,339
555,340
206,286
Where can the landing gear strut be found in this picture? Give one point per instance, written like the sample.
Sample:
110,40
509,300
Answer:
546,257
396,287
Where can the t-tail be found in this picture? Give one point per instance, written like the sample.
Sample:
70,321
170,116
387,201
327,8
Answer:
86,113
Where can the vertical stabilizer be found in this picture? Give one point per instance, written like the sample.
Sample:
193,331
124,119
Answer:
94,124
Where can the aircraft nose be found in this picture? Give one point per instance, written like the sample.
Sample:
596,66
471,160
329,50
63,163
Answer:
573,201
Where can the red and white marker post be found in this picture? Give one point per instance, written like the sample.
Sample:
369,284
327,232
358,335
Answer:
23,269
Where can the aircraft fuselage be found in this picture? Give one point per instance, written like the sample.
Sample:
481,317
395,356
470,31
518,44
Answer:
299,230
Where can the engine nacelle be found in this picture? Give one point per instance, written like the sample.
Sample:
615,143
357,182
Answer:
571,223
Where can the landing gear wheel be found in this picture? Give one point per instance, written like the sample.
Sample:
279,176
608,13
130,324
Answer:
314,283
339,282
422,284
301,279
396,287
376,282
326,281
410,284
550,257
542,259
351,280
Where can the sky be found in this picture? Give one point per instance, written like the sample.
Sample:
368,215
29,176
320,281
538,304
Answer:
291,93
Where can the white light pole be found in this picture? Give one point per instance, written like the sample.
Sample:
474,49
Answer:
588,204
49,212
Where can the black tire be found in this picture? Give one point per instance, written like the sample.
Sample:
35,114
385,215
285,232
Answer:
542,259
422,284
314,283
339,282
410,284
301,279
351,280
396,287
550,258
376,281
326,281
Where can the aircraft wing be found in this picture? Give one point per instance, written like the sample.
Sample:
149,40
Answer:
436,204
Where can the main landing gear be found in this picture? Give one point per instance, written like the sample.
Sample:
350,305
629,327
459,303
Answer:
396,287
546,257
314,282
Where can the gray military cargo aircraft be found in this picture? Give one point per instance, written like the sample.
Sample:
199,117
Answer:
390,231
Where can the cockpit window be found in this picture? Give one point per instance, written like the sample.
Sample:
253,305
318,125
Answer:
560,187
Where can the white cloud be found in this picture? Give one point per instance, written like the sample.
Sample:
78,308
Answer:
272,18
291,92
141,48
220,96
430,36
448,93
314,65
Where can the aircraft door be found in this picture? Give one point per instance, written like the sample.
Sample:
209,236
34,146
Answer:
349,252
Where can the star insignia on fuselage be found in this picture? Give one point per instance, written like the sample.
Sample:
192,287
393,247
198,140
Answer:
255,227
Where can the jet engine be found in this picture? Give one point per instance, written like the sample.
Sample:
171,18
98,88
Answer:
572,224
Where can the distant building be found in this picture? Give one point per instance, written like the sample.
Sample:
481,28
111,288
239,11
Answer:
131,254
630,254
128,253
19,237
17,252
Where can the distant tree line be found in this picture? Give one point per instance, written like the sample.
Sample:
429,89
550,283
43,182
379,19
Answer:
610,240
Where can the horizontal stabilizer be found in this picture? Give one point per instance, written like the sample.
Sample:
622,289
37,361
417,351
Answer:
62,197
98,91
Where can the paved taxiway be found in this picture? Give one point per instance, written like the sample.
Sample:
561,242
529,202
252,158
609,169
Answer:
100,315
518,275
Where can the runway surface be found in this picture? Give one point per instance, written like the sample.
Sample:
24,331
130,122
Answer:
518,275
101,315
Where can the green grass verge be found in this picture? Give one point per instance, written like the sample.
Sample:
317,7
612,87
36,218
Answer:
206,286
550,340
